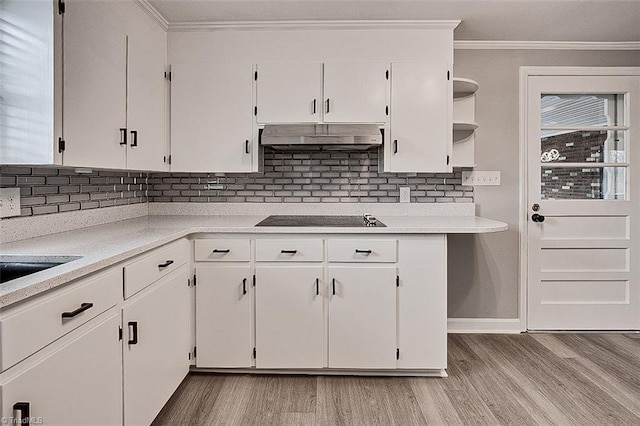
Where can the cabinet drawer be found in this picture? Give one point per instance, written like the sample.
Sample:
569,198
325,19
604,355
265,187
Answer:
32,328
362,250
154,265
222,250
289,251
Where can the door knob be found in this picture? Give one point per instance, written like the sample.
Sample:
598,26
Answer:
537,217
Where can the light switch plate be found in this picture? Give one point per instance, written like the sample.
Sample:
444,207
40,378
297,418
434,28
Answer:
9,202
480,178
405,194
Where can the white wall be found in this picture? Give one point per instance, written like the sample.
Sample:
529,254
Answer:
487,287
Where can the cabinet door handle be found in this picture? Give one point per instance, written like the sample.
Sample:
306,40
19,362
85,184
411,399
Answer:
327,106
133,331
83,307
333,285
134,138
21,415
244,286
123,136
220,251
246,146
395,146
314,106
165,264
317,286
363,251
288,251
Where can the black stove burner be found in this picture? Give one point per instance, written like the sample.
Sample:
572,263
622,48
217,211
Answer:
322,221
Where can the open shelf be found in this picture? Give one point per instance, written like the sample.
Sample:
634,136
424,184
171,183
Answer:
464,87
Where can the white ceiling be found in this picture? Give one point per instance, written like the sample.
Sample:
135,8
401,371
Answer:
509,20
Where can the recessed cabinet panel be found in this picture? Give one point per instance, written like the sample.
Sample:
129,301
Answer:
421,117
362,316
223,316
146,63
289,313
211,117
355,92
94,100
289,92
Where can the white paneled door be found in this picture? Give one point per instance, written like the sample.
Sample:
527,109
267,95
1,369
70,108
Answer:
583,151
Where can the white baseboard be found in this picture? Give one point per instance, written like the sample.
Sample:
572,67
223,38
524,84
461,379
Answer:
484,325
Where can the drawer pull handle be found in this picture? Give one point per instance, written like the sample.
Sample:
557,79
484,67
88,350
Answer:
133,331
220,251
21,415
165,264
289,251
333,284
363,251
244,286
317,286
83,307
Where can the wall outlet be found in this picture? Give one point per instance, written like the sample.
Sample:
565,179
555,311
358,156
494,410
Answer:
405,194
480,178
9,202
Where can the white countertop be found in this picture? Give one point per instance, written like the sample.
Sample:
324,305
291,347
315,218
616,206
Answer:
105,245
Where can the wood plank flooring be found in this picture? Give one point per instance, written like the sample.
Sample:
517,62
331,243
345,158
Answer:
525,379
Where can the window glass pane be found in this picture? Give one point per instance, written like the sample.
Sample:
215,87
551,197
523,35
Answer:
599,183
581,110
583,147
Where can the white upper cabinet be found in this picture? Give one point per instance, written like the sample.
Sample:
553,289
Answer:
336,92
420,118
146,87
289,92
94,86
113,83
355,92
212,126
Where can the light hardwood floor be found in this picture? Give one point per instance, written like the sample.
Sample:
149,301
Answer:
527,379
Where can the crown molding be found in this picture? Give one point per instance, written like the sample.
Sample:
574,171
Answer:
544,45
153,13
310,25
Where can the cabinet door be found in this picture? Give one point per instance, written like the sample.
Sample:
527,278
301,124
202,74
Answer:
355,92
420,120
94,101
362,317
289,307
78,383
146,63
223,316
156,346
211,118
289,92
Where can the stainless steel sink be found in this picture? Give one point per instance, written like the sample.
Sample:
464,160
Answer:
17,266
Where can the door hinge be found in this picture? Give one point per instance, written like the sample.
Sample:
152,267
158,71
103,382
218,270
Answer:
195,352
62,145
119,333
189,356
167,75
188,282
167,159
447,160
254,280
61,7
387,74
255,110
194,280
397,353
448,75
397,280
254,353
386,110
255,75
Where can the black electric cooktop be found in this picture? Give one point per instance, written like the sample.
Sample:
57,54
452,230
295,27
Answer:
324,221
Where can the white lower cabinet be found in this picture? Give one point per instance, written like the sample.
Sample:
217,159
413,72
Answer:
289,316
362,316
156,345
78,381
223,316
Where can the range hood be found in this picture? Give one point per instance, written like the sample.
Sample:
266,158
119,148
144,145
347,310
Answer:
321,136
